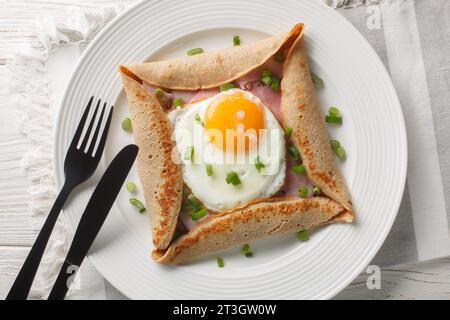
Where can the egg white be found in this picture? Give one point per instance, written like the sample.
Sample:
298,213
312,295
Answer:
213,190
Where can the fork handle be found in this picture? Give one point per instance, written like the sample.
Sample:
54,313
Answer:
24,280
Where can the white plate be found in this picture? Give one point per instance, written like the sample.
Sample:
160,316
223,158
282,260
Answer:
373,135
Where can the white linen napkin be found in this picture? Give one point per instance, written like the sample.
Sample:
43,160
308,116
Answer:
408,36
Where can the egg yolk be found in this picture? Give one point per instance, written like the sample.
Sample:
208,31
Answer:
232,122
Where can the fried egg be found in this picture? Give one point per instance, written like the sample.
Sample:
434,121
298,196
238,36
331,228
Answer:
232,149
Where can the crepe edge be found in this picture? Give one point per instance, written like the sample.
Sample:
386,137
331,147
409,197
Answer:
164,212
323,209
286,41
342,195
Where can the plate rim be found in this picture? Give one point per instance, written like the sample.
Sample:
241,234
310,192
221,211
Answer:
59,176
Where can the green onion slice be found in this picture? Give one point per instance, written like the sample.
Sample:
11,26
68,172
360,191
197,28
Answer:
334,112
209,169
220,262
194,202
245,248
340,152
266,73
303,191
126,124
303,235
249,254
236,40
317,81
178,102
300,168
316,191
139,205
194,51
287,131
233,178
131,187
258,164
189,153
267,81
198,120
227,86
334,144
197,215
333,119
275,85
294,153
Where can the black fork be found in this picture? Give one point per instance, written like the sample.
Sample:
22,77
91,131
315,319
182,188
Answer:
79,164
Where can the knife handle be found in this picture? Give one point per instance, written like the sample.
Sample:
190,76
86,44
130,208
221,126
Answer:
67,273
24,280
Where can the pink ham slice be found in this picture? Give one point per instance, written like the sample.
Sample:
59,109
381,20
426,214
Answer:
294,181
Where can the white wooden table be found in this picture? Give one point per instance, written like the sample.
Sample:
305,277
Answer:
426,280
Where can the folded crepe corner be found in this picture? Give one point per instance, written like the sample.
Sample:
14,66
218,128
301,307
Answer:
160,176
211,69
162,181
300,111
252,222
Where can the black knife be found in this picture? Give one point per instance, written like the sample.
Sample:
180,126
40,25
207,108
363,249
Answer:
94,215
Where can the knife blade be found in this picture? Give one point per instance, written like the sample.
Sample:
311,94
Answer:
93,217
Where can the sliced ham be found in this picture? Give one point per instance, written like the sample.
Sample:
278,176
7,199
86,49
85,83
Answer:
204,94
294,181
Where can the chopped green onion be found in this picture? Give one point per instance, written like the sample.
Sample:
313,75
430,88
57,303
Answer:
233,178
266,73
334,144
227,86
131,187
316,191
279,57
267,81
236,40
317,81
220,262
198,120
300,168
139,205
194,51
249,254
287,131
258,164
340,152
178,102
197,215
209,169
334,112
303,235
303,191
189,153
194,202
126,124
294,153
162,97
332,119
275,85
245,248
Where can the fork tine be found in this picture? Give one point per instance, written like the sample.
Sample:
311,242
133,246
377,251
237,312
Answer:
102,142
89,129
77,136
97,130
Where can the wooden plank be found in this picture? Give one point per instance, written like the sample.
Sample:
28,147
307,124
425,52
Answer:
424,280
411,281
